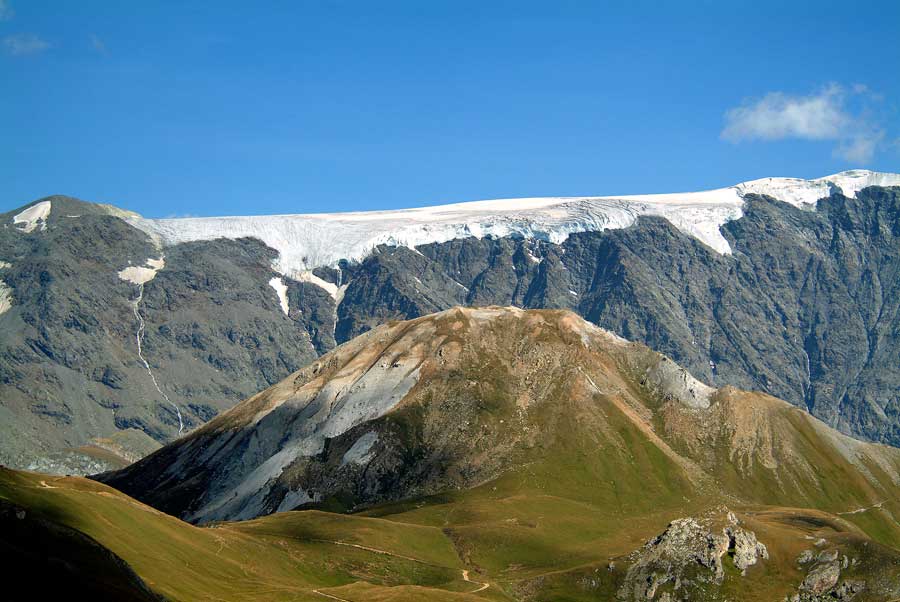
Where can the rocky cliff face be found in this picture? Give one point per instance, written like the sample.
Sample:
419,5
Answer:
805,307
71,376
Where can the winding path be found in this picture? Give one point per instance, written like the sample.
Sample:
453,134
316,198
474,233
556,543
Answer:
482,585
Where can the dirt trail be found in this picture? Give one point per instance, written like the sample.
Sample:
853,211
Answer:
483,586
315,591
465,573
859,510
374,550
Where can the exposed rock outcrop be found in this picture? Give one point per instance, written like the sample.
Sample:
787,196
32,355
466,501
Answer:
747,549
686,557
823,578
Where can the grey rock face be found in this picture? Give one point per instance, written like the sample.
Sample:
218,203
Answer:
69,369
847,590
747,549
807,309
805,557
821,578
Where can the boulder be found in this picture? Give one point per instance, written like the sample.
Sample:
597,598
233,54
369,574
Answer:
821,578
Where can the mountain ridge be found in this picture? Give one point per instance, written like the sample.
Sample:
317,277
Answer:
805,309
309,241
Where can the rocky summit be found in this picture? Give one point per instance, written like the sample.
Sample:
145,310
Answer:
459,398
118,333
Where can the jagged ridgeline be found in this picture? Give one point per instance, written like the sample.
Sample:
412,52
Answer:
119,332
499,454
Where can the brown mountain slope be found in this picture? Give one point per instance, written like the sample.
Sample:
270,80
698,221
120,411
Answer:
467,396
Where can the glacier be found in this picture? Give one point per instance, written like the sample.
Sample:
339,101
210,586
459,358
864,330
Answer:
305,242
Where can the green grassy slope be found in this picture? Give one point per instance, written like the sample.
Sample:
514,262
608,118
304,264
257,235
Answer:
284,557
512,534
542,454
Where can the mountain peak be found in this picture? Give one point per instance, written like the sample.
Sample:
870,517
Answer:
468,395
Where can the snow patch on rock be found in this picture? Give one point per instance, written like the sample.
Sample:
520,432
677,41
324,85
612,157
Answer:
281,290
143,274
329,287
34,216
6,298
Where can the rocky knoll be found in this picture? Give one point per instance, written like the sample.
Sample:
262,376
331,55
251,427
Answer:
687,558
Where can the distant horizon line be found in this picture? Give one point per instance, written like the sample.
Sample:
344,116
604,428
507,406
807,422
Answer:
470,202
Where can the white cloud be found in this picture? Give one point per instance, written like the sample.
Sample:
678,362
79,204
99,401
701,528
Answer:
860,148
833,113
6,11
24,43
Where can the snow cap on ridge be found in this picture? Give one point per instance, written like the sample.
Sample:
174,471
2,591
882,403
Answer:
305,242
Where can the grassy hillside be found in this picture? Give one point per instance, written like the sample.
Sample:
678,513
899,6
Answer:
531,456
513,535
283,557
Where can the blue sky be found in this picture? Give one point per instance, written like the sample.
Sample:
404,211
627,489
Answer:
202,108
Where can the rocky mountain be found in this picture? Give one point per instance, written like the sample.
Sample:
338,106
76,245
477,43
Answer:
462,397
779,285
562,461
98,357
